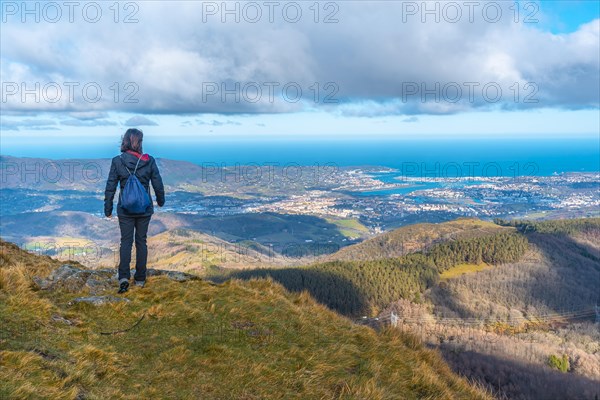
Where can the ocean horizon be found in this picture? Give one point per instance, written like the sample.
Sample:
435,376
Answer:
459,157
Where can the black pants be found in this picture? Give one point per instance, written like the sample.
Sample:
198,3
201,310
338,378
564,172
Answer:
128,225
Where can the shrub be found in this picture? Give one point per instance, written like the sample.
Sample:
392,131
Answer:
561,364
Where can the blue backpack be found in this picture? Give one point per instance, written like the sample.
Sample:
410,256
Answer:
134,198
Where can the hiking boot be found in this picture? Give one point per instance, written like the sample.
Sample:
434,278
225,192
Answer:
123,286
140,283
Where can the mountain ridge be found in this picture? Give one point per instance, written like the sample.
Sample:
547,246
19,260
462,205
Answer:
189,339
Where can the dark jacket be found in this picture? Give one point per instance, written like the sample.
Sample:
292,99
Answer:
147,171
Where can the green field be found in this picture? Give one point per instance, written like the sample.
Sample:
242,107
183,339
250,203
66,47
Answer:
351,228
462,269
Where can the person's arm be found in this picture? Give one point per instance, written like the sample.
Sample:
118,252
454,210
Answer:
111,188
157,184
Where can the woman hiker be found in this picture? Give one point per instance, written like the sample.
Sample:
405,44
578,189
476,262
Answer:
133,163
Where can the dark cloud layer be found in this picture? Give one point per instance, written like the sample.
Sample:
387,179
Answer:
376,60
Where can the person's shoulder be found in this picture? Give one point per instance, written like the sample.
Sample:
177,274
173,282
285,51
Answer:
116,158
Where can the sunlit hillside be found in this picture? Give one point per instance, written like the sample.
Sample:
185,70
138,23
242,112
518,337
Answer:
193,339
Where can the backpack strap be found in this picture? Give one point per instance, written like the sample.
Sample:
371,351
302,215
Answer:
123,162
136,165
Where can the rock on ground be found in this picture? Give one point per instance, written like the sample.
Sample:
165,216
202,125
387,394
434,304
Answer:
75,279
99,300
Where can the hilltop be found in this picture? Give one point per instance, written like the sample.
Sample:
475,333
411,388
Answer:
181,337
413,238
364,278
500,302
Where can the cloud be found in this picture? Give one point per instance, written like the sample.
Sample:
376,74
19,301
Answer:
138,120
31,124
411,119
214,122
88,115
43,128
88,122
374,61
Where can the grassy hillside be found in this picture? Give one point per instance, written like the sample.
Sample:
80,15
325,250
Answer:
364,287
498,302
412,238
560,272
177,241
501,325
351,228
233,241
187,250
290,235
194,339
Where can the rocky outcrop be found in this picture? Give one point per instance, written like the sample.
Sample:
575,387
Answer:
74,279
99,300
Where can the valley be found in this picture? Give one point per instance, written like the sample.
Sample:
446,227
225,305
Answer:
499,302
291,213
499,276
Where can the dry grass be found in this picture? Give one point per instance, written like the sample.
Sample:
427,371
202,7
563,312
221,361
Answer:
462,269
243,340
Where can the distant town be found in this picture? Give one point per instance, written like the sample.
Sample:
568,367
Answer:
356,193
315,203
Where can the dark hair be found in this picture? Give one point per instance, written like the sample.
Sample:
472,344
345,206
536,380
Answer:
132,140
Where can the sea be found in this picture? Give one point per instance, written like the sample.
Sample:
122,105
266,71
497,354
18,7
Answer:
439,157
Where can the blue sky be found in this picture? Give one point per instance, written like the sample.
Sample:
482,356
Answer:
567,16
352,70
